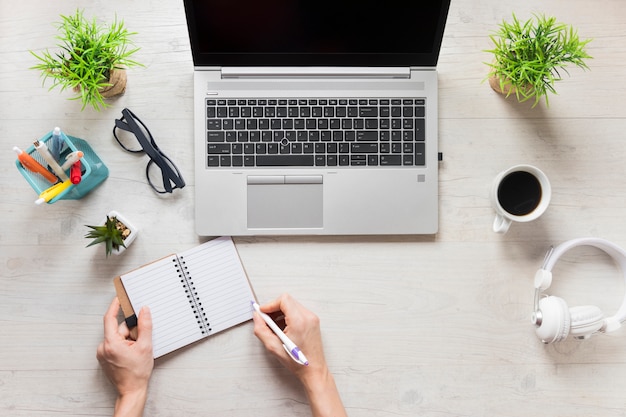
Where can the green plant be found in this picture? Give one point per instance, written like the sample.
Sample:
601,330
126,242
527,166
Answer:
89,53
112,234
529,56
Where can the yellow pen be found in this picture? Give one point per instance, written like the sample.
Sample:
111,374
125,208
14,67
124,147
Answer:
48,194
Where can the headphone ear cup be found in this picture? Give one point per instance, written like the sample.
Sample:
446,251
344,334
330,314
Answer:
585,320
555,320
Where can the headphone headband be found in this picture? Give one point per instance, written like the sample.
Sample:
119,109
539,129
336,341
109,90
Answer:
617,253
543,278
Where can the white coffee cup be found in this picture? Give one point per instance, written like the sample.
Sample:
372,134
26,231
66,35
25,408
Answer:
519,194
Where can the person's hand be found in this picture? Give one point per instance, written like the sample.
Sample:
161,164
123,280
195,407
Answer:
303,328
127,363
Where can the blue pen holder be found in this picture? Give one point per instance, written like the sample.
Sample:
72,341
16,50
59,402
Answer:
93,169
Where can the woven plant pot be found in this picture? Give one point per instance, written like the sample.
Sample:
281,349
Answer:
494,83
118,80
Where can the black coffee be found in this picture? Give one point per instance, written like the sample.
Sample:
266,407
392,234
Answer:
519,193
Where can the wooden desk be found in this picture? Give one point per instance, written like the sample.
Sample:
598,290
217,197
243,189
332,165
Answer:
428,326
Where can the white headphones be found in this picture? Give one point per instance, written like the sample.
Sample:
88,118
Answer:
553,319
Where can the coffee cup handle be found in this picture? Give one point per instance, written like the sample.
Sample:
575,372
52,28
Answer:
501,224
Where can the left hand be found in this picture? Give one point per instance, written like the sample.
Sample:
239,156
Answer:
127,363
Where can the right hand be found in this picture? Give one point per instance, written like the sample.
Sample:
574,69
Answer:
302,327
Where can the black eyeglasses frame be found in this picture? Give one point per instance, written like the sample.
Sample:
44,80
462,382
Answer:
130,122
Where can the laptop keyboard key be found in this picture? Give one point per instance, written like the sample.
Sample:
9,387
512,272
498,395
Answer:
284,160
371,123
213,136
420,129
368,112
214,124
364,148
420,154
218,148
391,160
366,136
358,160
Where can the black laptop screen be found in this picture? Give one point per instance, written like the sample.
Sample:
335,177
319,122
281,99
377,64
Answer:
316,32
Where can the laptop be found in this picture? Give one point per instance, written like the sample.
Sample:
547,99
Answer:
315,117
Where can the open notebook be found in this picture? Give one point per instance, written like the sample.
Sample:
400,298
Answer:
192,295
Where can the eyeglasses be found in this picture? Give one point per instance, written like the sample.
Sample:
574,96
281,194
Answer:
136,142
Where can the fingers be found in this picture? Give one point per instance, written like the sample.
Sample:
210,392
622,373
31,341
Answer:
290,308
123,330
283,303
114,330
266,335
110,319
294,313
100,352
261,330
144,327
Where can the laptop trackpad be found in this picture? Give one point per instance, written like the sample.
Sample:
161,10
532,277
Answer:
285,201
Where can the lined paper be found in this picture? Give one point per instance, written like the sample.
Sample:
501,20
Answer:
214,272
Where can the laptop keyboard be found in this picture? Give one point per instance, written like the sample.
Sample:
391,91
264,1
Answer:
316,132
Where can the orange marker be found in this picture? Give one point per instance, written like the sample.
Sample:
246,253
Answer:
32,165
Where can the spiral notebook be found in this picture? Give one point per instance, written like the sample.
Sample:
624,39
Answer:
192,295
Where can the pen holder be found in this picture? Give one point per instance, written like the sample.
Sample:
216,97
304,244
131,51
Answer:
92,168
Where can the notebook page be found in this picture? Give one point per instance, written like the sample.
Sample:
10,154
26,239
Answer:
221,283
158,286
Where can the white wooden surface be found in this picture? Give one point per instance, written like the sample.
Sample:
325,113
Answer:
430,326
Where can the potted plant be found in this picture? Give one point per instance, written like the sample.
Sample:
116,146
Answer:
528,57
116,232
92,59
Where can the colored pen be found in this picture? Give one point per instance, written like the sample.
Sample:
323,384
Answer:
289,346
55,144
71,159
76,175
50,193
32,165
43,151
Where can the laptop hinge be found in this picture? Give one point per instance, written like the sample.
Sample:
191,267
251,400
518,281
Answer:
316,72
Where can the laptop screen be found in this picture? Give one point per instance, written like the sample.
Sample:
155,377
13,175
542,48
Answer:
315,32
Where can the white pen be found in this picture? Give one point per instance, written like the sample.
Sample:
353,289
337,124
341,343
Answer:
71,159
289,346
43,151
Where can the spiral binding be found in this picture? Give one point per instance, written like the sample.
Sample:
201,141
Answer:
192,294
